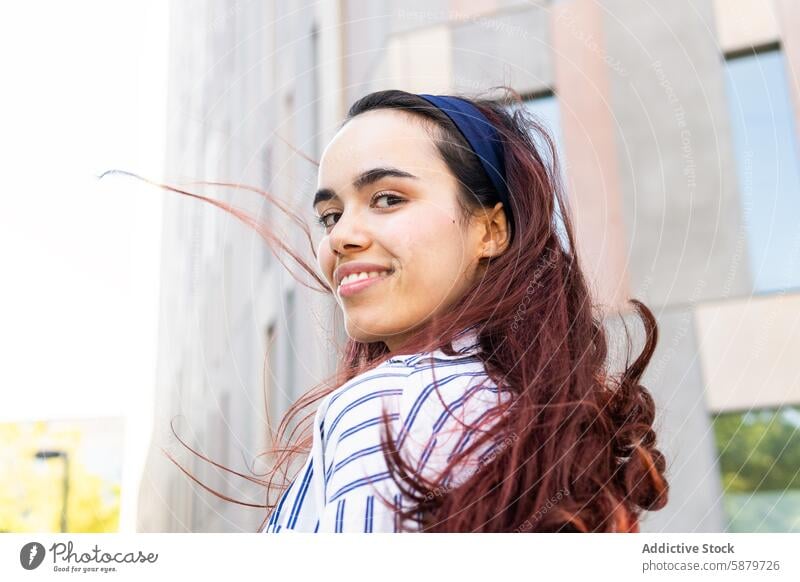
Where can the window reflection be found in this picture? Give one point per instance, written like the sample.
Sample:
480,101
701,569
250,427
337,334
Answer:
759,456
546,110
765,144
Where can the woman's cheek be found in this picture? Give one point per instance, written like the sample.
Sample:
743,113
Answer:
403,232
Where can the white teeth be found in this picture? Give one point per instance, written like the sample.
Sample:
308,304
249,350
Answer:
364,275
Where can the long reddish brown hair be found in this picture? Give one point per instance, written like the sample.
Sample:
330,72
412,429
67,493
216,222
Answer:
574,449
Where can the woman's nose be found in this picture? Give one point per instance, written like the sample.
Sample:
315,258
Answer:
349,233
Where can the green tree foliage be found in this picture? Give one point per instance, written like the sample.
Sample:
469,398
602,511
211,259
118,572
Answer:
759,450
31,494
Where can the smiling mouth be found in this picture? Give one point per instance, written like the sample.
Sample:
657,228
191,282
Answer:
351,285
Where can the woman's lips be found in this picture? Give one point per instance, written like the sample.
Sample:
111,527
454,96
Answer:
358,286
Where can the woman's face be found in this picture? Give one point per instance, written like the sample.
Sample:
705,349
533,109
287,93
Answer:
389,201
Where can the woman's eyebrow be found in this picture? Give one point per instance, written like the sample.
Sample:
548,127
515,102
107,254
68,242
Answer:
364,179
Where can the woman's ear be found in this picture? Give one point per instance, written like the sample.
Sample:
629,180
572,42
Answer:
494,229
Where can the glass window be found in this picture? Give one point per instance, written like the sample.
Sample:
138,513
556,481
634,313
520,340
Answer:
759,456
765,144
545,109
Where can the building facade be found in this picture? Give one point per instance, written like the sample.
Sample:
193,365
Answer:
678,126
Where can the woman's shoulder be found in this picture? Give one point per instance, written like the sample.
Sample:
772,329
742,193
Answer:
420,391
401,374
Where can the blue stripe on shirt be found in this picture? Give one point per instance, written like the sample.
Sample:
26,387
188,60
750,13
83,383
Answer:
465,438
405,375
358,483
340,515
440,422
362,425
426,392
350,431
398,506
339,419
301,494
358,454
357,381
369,377
359,401
277,513
368,514
450,361
429,390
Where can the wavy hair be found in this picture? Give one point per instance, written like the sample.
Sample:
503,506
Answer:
574,449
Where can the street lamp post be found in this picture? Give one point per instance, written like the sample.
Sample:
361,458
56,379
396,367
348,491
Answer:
47,454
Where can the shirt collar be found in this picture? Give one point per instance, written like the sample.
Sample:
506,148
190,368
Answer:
465,343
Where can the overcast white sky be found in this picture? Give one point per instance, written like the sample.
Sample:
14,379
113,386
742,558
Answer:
83,90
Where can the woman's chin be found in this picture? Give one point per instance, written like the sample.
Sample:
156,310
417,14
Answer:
369,333
363,334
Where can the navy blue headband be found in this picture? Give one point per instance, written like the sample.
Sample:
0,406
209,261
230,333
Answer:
482,138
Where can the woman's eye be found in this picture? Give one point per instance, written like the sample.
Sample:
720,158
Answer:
324,221
388,196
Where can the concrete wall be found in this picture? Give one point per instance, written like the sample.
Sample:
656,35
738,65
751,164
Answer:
652,186
242,76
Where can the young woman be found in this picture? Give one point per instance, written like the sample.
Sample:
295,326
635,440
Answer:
473,394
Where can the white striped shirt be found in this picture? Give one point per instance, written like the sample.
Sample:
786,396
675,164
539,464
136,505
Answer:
334,490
